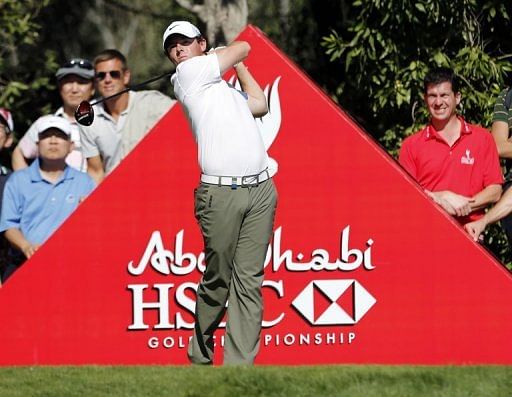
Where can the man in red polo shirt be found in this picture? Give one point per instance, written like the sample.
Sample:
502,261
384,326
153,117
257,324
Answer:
455,162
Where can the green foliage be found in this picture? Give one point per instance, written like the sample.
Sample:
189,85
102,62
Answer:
299,31
25,85
392,44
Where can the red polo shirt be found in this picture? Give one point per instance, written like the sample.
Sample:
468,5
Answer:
467,167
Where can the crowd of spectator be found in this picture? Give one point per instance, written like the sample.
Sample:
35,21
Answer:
58,162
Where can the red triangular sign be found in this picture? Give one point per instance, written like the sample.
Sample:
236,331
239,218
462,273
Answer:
346,211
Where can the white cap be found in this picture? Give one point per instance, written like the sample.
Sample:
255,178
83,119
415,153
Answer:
44,123
184,28
6,118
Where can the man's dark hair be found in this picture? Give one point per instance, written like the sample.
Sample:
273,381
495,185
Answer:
441,75
107,55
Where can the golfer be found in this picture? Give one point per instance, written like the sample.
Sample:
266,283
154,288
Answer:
236,199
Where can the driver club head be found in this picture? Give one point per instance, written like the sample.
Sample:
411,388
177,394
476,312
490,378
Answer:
84,113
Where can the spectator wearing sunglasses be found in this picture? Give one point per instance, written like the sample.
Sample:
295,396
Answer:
76,84
121,122
39,198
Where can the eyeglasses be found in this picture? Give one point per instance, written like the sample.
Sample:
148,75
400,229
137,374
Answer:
81,63
115,74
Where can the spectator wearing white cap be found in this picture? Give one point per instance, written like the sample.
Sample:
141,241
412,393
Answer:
236,199
76,84
37,199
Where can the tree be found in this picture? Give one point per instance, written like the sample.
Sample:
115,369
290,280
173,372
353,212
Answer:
224,19
132,26
24,63
391,45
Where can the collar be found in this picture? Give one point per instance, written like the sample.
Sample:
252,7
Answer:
60,113
430,133
102,112
34,171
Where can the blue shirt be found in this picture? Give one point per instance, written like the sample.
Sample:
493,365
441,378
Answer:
38,207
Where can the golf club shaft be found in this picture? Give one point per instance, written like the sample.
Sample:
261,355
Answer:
133,87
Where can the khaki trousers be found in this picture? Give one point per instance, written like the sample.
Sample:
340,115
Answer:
236,226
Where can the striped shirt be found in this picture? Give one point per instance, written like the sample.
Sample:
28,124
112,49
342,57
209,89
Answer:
501,113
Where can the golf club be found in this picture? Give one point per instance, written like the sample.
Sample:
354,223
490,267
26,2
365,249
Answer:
84,113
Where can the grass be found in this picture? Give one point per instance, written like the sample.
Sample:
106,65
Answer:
335,380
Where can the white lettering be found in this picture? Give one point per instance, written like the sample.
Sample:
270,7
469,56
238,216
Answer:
301,339
162,305
168,342
187,303
289,339
304,339
278,287
158,259
181,263
153,342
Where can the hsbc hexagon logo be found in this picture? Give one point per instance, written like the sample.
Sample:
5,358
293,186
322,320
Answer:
333,302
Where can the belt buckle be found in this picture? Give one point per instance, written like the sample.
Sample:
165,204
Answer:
255,180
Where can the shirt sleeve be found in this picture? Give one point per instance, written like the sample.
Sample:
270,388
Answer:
88,142
27,143
500,112
11,206
196,74
406,159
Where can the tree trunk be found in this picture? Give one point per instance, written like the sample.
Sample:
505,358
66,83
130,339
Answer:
224,19
119,37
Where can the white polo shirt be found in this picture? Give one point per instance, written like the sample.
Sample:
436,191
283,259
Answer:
229,142
114,140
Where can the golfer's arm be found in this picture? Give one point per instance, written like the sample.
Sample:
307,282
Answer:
95,169
256,98
234,53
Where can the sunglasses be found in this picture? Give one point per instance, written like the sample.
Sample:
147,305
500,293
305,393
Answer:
115,74
81,63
